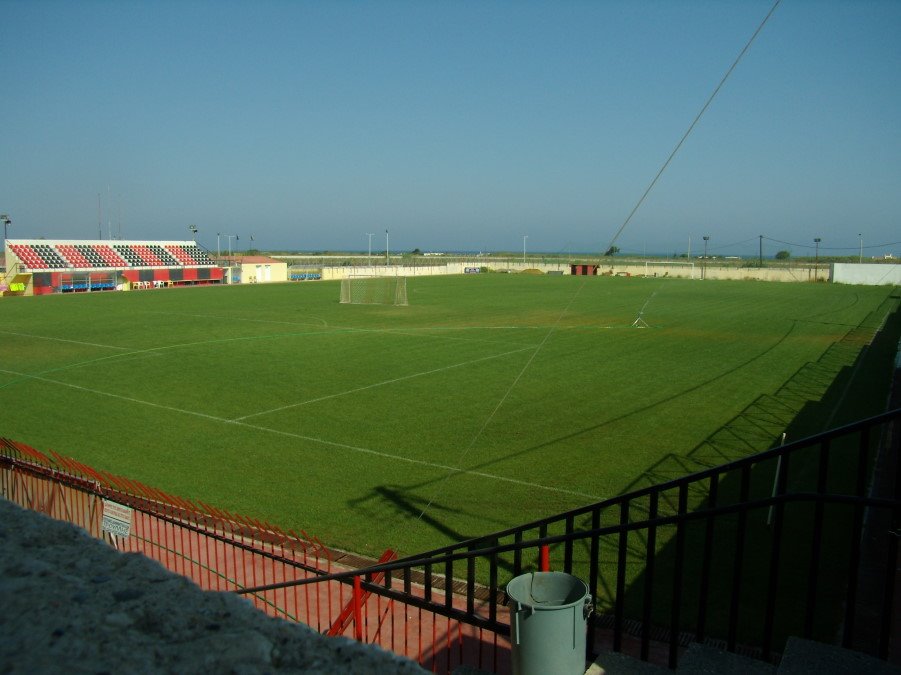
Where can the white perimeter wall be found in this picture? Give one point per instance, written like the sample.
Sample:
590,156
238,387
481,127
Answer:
840,273
712,271
867,275
434,270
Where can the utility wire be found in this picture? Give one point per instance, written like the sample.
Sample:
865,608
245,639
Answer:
692,126
733,244
833,248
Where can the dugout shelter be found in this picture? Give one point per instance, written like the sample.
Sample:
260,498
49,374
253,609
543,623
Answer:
43,266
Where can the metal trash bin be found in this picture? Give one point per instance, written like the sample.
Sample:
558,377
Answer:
548,618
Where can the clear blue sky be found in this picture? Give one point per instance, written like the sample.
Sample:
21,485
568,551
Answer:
457,125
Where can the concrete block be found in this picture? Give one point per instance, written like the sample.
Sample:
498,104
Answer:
807,656
701,659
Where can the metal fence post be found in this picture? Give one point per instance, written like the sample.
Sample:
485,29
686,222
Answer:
358,610
544,558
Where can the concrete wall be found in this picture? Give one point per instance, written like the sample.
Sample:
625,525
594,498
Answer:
866,274
397,270
728,272
637,269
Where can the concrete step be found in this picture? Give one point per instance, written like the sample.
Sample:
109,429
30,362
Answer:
801,657
701,659
806,656
614,663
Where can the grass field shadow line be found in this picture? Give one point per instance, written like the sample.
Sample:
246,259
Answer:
880,343
416,509
638,411
797,408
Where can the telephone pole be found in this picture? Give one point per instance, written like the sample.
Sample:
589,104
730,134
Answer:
816,260
704,266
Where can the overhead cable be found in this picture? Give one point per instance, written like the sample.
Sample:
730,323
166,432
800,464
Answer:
833,248
692,125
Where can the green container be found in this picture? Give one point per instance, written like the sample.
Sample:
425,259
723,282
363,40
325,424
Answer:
548,618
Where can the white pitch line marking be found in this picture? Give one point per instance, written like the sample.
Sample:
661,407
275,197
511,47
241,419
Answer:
56,339
116,396
381,384
289,434
412,332
349,328
153,350
320,321
419,333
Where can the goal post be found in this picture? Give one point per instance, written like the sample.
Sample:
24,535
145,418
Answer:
374,290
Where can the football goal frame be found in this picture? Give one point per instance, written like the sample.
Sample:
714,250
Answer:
374,290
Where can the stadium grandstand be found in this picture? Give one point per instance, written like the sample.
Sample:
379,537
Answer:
41,266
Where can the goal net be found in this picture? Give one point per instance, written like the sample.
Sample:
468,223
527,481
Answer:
360,290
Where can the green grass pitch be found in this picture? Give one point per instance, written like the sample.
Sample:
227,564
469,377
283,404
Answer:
489,401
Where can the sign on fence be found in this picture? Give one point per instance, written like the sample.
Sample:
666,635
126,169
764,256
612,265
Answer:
116,518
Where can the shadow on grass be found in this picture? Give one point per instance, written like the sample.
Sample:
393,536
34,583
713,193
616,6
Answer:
770,414
481,466
848,382
406,504
418,509
810,572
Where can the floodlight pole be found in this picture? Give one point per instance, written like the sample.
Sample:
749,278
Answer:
816,263
193,229
704,266
5,219
387,259
524,237
369,234
860,258
218,248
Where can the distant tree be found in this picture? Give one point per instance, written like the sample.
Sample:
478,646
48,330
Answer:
783,255
416,251
613,250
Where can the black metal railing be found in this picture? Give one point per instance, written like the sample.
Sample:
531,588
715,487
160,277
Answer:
798,540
